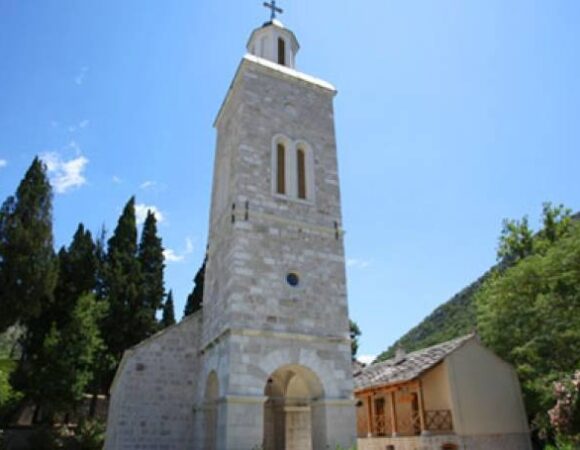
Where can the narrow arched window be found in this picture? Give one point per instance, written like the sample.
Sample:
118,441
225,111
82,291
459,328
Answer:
301,173
280,169
281,51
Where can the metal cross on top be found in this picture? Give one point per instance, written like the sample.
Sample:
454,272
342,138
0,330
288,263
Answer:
274,9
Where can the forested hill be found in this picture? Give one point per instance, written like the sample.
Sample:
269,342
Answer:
452,319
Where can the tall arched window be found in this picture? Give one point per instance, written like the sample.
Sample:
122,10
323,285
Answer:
301,173
280,169
281,51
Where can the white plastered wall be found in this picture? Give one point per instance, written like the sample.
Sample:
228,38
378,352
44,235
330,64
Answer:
485,393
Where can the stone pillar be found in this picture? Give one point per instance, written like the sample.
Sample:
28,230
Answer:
241,423
340,419
298,428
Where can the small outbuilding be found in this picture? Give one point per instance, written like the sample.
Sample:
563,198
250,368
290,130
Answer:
455,395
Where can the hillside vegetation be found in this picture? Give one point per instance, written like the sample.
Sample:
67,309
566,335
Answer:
454,318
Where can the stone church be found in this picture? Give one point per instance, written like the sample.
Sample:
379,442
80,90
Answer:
266,363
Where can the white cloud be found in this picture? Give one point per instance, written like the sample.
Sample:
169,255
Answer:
65,174
141,213
80,78
357,263
3,163
116,179
366,359
148,184
172,257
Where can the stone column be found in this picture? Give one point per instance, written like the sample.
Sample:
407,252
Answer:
240,423
340,420
298,428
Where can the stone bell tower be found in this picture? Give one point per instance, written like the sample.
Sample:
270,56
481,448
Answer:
275,349
266,363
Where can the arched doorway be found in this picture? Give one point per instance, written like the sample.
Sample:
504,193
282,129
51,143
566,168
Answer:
288,411
211,419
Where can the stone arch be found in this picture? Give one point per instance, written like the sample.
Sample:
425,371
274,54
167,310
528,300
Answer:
289,412
212,393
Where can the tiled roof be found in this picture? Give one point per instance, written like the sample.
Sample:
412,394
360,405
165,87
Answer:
357,367
407,368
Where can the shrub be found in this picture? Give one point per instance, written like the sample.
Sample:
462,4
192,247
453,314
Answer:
9,398
565,415
90,435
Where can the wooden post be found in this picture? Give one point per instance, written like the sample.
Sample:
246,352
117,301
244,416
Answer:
394,430
370,415
424,430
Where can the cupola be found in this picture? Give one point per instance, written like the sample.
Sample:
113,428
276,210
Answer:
274,42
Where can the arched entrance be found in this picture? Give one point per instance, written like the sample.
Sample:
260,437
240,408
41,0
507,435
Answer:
288,411
211,419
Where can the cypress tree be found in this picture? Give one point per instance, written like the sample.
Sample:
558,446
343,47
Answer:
122,284
195,299
28,267
168,317
151,261
77,274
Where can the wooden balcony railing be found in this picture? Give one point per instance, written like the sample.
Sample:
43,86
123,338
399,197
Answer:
382,425
409,424
438,420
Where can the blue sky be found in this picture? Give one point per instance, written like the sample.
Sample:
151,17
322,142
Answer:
450,117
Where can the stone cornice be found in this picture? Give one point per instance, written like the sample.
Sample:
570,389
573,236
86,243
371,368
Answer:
275,335
274,69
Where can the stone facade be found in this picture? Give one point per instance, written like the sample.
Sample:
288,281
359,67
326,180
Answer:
153,391
267,364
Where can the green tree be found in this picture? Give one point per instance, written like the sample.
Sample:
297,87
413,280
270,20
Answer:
195,299
151,261
64,366
77,276
28,267
355,334
556,221
122,285
168,317
516,241
529,314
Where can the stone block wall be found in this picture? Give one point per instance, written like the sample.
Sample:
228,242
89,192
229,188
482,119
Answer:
153,393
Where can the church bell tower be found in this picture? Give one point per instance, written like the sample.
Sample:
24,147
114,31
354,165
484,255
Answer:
275,349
